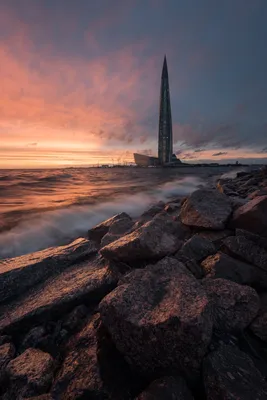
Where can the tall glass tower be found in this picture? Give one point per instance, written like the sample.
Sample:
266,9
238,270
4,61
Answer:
165,119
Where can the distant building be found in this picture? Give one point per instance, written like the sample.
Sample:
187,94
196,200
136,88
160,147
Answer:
145,161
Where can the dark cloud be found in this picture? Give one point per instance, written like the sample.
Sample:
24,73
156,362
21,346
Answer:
221,153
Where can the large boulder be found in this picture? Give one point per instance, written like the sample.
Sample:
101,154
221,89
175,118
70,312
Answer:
252,216
197,248
154,240
207,209
19,274
234,306
155,315
117,229
7,352
166,388
149,214
257,239
216,237
229,374
88,281
259,325
31,373
99,231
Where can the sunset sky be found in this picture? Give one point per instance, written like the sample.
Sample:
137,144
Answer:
80,79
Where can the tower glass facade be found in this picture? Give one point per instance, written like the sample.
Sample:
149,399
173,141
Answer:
165,147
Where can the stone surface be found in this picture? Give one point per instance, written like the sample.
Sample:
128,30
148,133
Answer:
166,388
100,230
75,318
259,325
21,273
33,338
31,373
117,229
7,352
149,214
234,306
191,265
88,281
93,368
154,240
5,339
197,248
207,209
155,315
230,374
216,237
252,216
257,239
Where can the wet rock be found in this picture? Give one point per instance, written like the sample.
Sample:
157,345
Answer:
207,209
100,230
21,273
74,320
88,281
166,388
155,316
7,352
230,374
197,248
31,373
234,306
154,240
252,216
259,325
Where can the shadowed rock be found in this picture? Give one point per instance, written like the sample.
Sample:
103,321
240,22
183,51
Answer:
197,248
230,374
154,318
88,281
216,237
21,273
166,388
252,216
117,229
259,325
207,209
257,239
234,306
149,214
154,240
100,230
30,373
7,352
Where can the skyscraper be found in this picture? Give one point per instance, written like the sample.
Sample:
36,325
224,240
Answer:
165,119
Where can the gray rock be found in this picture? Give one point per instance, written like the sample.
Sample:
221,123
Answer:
149,214
230,374
117,229
100,230
166,388
216,237
154,318
152,241
257,239
7,352
88,281
252,216
197,248
207,209
31,373
191,265
21,273
234,306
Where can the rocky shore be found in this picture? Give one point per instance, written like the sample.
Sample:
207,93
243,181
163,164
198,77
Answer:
170,306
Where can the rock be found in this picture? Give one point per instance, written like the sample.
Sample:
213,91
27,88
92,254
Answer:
259,325
257,239
155,315
74,320
150,214
230,374
100,230
152,241
234,306
252,216
117,229
5,339
216,237
257,193
93,368
246,250
197,248
31,373
191,265
33,338
220,265
19,274
167,388
7,352
46,396
172,208
88,281
207,209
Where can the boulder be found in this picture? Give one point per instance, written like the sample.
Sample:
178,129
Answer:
19,274
117,229
229,373
149,214
259,325
31,373
252,216
207,209
216,237
191,265
7,352
5,339
154,240
257,193
155,315
197,248
74,320
33,338
100,230
166,388
88,281
257,239
234,306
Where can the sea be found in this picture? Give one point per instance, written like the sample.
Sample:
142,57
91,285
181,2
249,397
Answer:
52,207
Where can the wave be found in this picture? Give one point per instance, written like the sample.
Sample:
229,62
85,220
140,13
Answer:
58,227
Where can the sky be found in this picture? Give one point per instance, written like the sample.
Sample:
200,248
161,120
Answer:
80,80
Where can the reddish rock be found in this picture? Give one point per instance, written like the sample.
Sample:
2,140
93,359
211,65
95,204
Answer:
234,306
100,230
230,374
155,315
166,388
207,209
7,352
